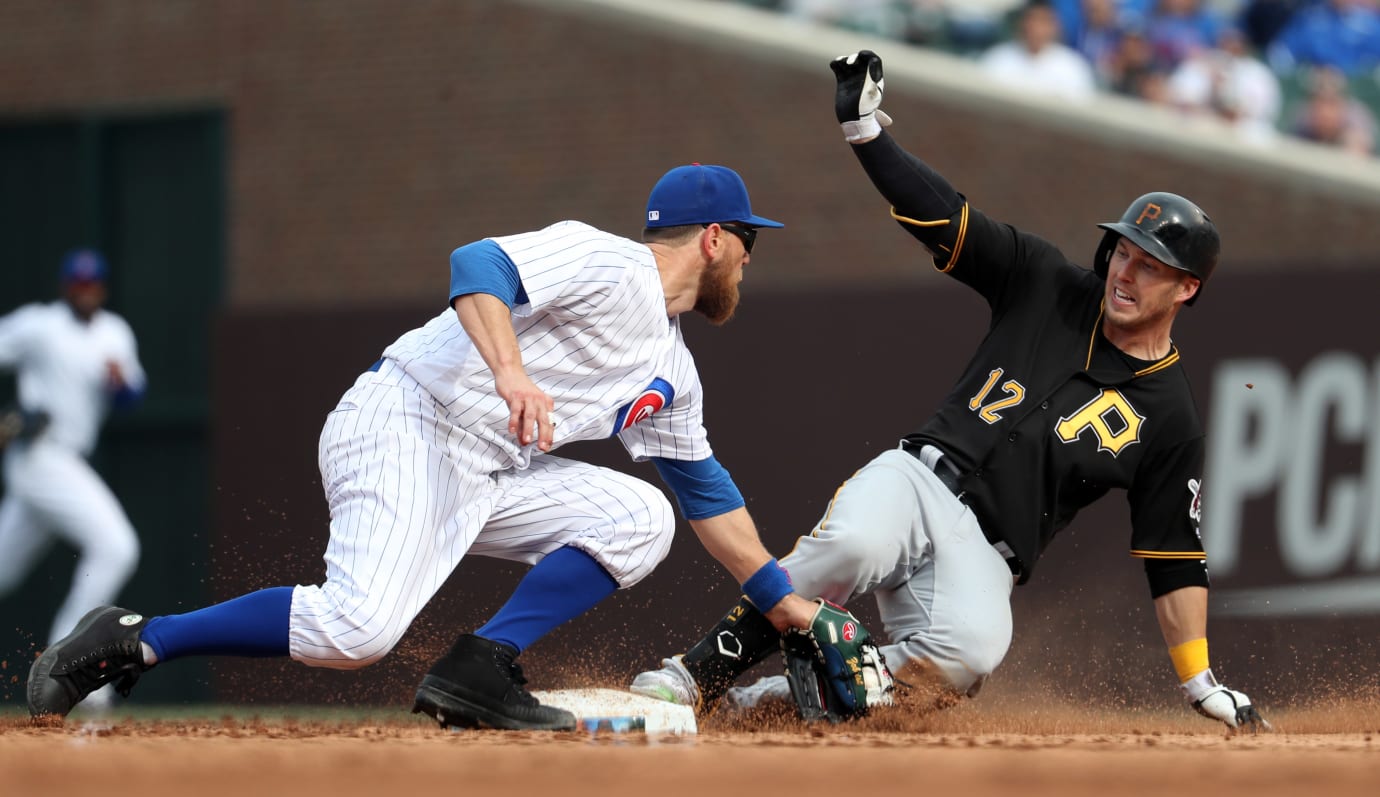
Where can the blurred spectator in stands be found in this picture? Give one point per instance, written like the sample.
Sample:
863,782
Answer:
973,26
1037,61
1344,34
1331,116
1074,15
1178,29
1153,86
881,17
965,26
1232,84
1262,20
926,23
1098,38
1133,70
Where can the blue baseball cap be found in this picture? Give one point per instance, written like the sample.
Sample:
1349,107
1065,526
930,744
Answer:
84,265
701,194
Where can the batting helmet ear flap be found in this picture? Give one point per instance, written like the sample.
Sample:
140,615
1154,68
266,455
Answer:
1171,229
1104,253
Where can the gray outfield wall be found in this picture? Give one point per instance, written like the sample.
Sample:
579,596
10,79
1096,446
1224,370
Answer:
802,389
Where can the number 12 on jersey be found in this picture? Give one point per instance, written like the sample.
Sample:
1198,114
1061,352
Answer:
991,411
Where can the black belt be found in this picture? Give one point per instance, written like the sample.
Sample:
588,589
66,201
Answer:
950,476
943,467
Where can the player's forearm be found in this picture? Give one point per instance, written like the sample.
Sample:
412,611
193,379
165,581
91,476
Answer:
1182,615
489,324
731,538
912,187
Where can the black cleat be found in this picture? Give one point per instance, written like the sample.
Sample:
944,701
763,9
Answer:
103,648
478,685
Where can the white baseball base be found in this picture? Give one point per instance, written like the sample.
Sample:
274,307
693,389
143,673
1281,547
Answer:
620,712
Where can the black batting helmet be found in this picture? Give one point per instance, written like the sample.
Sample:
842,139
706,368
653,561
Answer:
1171,229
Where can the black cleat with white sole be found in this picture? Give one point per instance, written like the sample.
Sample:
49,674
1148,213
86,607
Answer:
102,649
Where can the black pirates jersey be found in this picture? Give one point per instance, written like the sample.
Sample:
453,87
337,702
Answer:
1049,416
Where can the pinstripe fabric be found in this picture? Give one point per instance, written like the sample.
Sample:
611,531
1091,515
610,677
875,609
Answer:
593,336
623,522
419,469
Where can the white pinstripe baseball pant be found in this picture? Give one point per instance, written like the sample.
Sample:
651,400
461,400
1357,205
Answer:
410,494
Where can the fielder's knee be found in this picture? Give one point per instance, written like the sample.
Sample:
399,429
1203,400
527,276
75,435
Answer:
114,555
326,633
357,648
123,558
638,548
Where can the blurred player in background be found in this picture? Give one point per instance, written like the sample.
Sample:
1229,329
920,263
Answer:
74,361
1075,390
445,448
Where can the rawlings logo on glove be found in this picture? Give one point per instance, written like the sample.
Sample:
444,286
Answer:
834,670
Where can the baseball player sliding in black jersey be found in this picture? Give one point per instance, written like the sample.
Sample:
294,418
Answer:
1076,389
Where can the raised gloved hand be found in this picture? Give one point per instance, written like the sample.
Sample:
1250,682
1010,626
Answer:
1215,701
834,670
859,96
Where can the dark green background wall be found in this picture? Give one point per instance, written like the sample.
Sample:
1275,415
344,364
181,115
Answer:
149,192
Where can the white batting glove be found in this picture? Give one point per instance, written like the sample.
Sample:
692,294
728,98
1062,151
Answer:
876,677
1215,701
859,96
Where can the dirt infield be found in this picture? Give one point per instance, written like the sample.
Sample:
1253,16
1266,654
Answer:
980,751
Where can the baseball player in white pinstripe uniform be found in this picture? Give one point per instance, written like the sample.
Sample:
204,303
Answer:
444,447
74,361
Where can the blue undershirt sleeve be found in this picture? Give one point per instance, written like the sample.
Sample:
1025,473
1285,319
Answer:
703,488
483,267
126,397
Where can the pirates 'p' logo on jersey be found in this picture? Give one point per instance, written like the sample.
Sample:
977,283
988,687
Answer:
1111,418
653,397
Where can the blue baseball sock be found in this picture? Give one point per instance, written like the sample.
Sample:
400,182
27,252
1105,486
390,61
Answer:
561,587
250,625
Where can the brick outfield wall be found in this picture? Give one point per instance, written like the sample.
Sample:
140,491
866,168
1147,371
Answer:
367,140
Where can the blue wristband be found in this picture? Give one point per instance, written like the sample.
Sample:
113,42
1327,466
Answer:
768,585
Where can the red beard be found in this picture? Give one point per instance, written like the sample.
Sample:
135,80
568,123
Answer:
718,294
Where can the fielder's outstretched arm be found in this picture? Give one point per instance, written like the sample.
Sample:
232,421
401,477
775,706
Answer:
731,538
714,506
